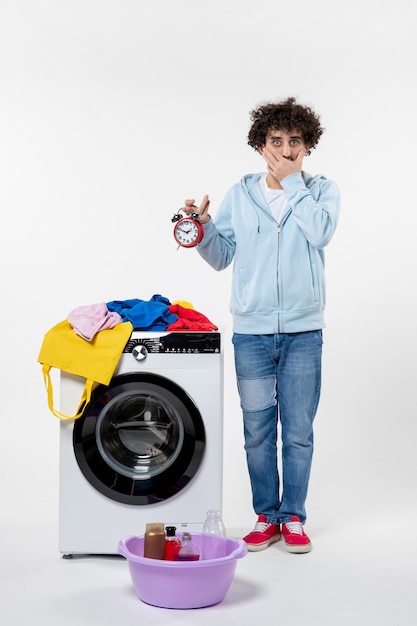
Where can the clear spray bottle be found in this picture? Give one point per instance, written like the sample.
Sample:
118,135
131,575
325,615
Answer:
213,536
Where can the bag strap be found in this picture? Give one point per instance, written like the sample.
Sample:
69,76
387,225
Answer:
85,398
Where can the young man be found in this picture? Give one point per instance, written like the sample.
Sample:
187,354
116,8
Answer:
274,226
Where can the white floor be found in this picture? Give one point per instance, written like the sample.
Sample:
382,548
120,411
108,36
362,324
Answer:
354,575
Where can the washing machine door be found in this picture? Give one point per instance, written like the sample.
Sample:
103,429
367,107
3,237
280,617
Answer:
141,439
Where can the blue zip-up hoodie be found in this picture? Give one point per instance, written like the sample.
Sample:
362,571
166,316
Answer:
278,272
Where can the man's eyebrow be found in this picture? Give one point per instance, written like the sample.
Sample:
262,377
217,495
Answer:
272,136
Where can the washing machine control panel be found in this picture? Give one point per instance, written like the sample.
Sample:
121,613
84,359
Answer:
173,343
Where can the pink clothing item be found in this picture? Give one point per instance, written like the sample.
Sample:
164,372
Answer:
88,320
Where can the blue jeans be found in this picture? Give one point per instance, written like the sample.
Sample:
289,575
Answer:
279,377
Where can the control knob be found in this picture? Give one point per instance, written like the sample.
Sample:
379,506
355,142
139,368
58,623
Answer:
140,352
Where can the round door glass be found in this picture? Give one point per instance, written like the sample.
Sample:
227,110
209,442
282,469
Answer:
141,440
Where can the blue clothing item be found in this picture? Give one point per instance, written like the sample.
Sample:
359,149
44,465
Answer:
150,315
279,378
278,281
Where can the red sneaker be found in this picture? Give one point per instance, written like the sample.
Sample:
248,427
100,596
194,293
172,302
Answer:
262,535
294,536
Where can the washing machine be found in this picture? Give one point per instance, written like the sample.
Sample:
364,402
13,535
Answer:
149,446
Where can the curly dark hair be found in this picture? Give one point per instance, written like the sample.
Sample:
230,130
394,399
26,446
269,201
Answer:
286,115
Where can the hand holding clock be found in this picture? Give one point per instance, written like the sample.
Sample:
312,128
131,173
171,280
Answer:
201,210
188,230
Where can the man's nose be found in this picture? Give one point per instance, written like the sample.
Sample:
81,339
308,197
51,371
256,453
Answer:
286,150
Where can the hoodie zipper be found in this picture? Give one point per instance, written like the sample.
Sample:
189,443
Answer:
278,253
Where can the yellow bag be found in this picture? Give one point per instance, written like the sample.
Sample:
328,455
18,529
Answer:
94,360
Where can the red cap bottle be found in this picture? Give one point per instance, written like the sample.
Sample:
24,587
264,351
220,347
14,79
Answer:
172,543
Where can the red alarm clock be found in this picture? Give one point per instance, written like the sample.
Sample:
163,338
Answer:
188,230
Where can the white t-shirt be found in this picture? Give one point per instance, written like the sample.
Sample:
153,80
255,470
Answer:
276,199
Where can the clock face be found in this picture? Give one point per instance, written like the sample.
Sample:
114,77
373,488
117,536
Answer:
188,232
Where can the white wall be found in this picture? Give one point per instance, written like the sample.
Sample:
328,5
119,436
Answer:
111,113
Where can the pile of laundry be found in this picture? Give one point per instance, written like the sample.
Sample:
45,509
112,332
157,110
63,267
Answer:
156,314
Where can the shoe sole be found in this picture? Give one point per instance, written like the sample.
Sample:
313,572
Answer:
297,549
256,547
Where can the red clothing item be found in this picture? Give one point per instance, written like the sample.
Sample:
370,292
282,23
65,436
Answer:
189,319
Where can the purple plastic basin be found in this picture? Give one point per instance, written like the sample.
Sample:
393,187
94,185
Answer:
181,585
